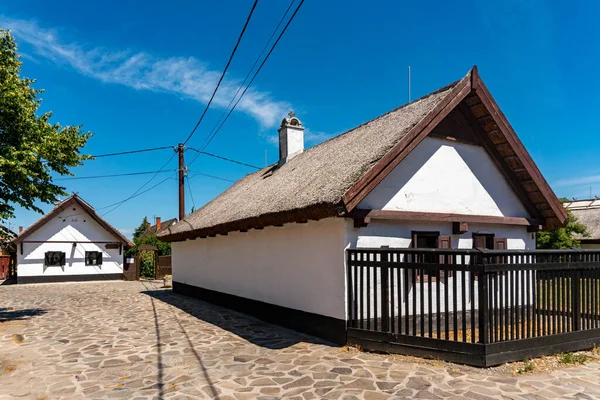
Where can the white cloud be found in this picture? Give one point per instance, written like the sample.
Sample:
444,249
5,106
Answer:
183,76
581,180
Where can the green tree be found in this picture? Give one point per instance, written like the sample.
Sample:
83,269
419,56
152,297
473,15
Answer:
562,238
31,148
140,230
141,236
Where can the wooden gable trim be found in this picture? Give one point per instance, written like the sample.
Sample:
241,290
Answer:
520,152
507,173
386,164
393,215
58,209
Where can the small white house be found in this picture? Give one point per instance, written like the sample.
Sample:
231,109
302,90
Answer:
444,171
70,243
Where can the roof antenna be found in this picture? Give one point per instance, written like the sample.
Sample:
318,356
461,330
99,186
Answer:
409,83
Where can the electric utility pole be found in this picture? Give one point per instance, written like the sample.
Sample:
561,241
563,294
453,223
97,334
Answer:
181,182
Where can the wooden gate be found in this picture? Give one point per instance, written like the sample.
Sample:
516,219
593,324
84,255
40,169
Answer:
163,267
5,267
131,268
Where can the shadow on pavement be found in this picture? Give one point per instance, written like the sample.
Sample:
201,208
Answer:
255,331
8,314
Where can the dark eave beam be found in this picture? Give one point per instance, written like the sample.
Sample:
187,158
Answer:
361,216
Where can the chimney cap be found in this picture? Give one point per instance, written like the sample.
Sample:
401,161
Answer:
291,120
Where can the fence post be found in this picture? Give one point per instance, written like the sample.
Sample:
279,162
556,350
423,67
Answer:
351,319
576,299
385,294
482,285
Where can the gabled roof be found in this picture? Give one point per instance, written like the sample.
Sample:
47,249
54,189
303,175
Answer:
163,226
332,178
63,205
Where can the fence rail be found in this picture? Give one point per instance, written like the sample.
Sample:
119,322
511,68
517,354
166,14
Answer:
408,300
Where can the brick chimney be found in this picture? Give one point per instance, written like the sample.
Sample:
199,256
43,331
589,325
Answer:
157,223
149,225
20,230
291,138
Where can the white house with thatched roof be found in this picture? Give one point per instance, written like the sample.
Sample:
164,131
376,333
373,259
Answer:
70,243
446,171
588,213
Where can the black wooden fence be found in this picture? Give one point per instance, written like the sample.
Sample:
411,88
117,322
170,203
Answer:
478,307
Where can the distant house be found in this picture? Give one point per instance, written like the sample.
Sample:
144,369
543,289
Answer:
70,243
444,171
160,226
588,213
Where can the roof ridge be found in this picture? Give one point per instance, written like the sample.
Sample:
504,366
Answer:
447,87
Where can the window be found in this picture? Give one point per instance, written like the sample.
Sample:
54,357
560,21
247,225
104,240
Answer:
489,241
93,258
432,240
425,240
54,259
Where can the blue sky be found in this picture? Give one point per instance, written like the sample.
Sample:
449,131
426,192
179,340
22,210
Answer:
139,76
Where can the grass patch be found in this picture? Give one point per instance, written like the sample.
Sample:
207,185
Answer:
573,358
528,366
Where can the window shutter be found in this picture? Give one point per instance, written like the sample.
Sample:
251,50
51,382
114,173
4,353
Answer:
47,258
445,242
500,243
479,242
414,240
62,258
99,258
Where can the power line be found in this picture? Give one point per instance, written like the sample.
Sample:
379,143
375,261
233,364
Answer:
252,68
224,158
213,134
141,187
224,71
191,194
139,194
112,176
132,152
211,176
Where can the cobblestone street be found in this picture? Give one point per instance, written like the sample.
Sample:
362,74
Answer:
134,340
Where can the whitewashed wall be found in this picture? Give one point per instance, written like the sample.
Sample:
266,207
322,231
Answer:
78,226
299,266
445,176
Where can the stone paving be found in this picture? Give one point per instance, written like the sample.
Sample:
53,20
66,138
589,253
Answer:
134,340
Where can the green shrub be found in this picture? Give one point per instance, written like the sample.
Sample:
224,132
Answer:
573,358
528,366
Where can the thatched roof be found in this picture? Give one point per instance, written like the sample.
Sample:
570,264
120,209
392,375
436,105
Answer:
63,205
588,214
331,178
312,184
